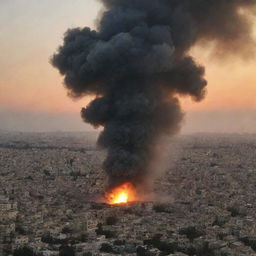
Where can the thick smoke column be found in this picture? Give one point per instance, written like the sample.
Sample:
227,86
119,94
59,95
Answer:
137,63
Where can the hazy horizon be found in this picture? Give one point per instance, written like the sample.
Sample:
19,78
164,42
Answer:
194,122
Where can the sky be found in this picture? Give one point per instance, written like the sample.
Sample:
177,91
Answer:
32,96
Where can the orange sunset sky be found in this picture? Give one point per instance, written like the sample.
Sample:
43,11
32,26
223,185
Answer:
31,91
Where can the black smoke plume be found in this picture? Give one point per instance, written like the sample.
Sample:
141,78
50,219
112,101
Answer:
137,63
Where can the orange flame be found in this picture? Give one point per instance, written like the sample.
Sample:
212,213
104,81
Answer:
121,194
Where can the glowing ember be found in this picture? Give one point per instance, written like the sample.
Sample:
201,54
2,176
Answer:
122,194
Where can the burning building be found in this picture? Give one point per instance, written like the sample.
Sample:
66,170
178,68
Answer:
137,64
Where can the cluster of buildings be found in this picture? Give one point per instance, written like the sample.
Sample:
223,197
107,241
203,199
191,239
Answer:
8,216
52,187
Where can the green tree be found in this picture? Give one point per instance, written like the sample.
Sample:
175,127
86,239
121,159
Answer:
24,251
66,250
105,247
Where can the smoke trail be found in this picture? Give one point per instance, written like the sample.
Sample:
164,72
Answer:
137,63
